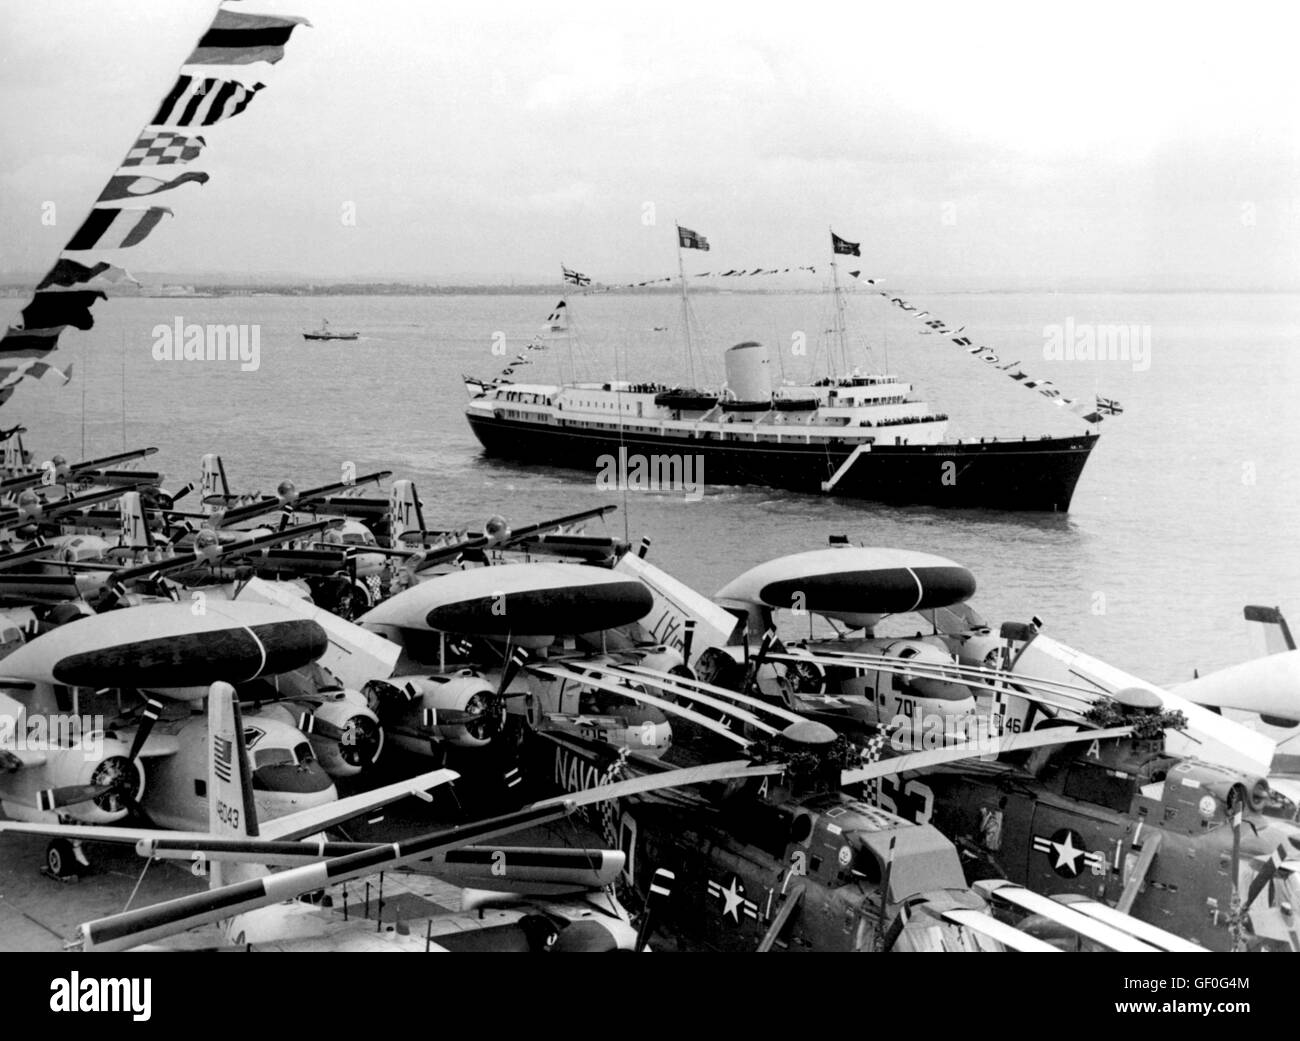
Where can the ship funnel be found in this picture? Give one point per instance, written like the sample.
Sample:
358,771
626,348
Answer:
749,373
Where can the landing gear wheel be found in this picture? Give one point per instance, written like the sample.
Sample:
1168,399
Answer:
61,859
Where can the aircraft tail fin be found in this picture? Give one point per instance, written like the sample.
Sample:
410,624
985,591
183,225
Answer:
404,511
213,489
231,810
135,527
676,604
1269,630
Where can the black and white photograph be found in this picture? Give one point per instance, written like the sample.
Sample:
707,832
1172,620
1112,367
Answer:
609,477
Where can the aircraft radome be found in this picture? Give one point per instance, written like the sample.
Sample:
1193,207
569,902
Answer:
170,646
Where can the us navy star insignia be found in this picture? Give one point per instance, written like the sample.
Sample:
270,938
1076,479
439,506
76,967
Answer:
733,899
1064,849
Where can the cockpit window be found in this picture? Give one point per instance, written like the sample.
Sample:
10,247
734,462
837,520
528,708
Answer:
867,867
272,757
303,753
595,702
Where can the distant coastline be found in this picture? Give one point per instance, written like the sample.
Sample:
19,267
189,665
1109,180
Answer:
12,287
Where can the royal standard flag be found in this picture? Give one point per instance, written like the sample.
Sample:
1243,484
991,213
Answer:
688,239
844,246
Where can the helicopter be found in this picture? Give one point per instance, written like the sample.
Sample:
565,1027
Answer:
792,861
1176,842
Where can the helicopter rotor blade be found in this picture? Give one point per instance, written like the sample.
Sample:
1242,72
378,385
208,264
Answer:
994,746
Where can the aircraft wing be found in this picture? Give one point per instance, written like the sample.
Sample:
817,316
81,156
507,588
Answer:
440,554
27,554
308,822
40,589
1269,686
98,832
302,499
14,484
532,530
294,826
185,561
49,511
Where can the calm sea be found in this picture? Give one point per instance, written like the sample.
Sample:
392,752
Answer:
1186,511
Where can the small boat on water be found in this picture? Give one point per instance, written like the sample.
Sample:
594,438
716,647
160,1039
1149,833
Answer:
324,333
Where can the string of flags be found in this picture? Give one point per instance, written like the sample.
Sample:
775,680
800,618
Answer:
555,322
605,287
1092,412
210,87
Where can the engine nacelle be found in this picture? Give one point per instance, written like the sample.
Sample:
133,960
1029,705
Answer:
458,708
981,651
726,667
67,768
344,732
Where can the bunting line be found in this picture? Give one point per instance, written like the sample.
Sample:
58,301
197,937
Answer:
63,298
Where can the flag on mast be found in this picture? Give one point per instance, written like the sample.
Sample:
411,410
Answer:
687,239
844,246
575,278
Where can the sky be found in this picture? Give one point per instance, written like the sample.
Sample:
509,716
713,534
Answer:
975,145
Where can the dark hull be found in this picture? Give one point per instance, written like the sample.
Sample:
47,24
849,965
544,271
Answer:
1001,475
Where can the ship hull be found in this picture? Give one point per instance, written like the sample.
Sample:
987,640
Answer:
1028,475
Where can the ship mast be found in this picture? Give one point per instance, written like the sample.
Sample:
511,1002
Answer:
568,325
840,330
839,245
686,307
